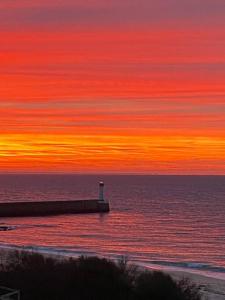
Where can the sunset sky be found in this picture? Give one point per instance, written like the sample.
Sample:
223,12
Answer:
109,86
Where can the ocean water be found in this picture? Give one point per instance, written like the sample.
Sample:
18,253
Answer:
158,221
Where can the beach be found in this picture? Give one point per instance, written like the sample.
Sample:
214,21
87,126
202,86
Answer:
211,288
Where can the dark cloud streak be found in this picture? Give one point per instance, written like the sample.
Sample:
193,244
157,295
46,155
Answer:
130,13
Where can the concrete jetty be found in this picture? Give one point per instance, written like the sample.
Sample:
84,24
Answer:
43,208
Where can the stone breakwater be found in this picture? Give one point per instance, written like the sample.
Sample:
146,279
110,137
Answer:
45,208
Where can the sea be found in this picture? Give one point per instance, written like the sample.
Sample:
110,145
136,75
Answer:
161,222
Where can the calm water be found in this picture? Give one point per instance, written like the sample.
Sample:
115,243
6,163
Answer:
164,220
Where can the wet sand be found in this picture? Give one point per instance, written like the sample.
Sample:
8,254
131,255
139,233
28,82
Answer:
211,288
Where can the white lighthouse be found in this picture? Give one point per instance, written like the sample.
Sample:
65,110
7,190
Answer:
101,191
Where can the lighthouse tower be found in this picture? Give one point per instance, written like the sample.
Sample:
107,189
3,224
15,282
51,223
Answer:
101,192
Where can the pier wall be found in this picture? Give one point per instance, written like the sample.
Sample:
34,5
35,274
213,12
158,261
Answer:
43,208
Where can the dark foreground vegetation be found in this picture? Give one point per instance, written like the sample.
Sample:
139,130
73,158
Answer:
89,278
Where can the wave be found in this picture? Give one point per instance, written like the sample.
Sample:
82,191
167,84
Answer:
190,265
198,268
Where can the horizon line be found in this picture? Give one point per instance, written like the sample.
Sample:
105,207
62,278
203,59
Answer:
108,174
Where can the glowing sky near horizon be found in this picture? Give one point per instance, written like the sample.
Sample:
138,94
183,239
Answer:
132,86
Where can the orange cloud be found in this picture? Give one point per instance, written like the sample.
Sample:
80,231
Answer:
79,153
146,99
